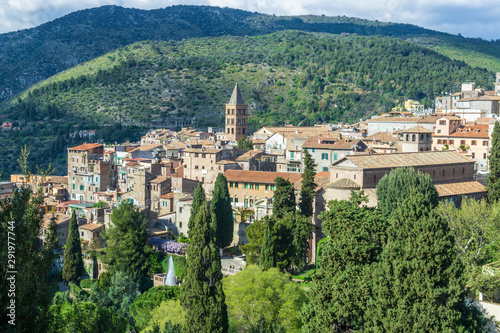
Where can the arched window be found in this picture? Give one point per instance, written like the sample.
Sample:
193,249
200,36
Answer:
414,137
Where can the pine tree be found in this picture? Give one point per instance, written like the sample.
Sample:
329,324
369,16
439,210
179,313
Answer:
202,295
222,213
419,284
127,248
493,179
198,201
283,198
397,186
267,258
73,267
307,190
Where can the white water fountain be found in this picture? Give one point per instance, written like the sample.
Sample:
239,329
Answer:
170,280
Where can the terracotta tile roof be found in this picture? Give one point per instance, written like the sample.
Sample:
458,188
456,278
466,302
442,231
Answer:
266,177
417,129
159,179
91,226
225,162
481,98
167,196
255,141
465,131
383,137
345,183
86,146
57,179
147,147
460,188
59,219
249,155
283,129
397,160
450,117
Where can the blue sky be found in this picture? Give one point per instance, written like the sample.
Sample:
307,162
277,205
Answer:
471,19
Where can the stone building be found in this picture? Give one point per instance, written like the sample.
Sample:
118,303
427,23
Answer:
415,139
236,116
394,124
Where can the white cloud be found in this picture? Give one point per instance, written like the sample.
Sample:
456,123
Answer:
473,19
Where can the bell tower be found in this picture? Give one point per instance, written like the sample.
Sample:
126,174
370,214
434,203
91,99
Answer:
236,116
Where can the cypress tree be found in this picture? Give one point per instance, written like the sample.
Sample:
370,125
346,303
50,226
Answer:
397,186
419,284
493,179
198,201
202,295
73,263
267,258
307,190
283,198
222,213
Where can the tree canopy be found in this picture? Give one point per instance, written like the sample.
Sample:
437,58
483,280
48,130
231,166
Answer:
307,190
222,213
73,267
283,198
493,178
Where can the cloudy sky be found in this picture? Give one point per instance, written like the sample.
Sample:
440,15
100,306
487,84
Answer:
470,18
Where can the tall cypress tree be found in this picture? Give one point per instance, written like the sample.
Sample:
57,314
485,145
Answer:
267,257
198,201
419,284
397,186
222,213
307,190
493,179
283,198
202,295
73,263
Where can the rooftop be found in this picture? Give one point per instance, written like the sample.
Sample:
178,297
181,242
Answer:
91,226
86,146
266,177
236,97
397,160
459,188
417,129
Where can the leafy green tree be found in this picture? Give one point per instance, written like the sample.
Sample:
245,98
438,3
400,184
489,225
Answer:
21,222
283,198
127,248
397,186
245,144
168,317
341,284
267,258
198,201
145,303
202,295
255,296
84,317
493,179
73,267
222,213
475,227
307,190
255,234
419,283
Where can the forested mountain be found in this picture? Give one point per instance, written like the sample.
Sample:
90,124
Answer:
32,55
286,77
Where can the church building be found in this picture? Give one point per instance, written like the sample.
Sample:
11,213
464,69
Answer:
236,116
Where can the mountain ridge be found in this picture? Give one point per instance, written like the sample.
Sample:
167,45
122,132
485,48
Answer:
31,55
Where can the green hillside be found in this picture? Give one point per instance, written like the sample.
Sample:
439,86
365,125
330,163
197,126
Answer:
32,55
286,77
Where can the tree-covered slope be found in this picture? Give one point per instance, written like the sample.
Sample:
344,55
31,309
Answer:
32,55
286,77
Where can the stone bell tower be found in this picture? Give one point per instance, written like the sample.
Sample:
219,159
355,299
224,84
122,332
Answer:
236,116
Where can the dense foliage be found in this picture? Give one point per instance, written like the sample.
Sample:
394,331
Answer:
283,198
202,295
198,201
395,187
21,222
144,304
222,212
263,297
307,189
493,179
348,256
127,248
73,262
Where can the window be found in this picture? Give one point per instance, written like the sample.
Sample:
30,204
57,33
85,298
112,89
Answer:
230,184
354,177
462,142
256,186
292,155
335,156
82,233
74,186
245,202
473,143
434,173
246,186
235,200
272,187
180,224
325,168
442,122
439,131
180,210
336,175
235,185
473,155
196,167
251,186
440,141
463,171
324,156
484,155
267,187
452,142
313,150
374,178
82,188
453,171
231,199
485,143
443,172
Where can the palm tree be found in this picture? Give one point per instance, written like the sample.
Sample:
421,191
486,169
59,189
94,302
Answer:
243,212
